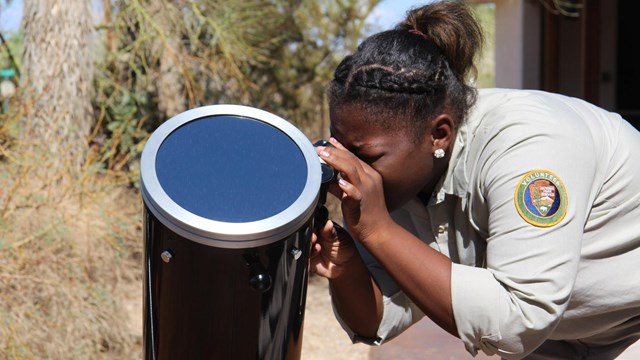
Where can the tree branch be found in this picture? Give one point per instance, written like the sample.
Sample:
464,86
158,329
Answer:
5,44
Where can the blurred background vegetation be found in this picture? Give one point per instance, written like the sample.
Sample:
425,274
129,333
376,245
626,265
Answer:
82,93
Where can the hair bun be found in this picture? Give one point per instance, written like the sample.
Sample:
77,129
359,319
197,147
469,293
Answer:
419,33
453,28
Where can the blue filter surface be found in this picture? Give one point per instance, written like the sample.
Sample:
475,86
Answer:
231,168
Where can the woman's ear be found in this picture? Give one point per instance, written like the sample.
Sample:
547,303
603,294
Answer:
442,132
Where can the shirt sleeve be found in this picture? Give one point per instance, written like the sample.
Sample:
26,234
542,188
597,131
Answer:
513,304
399,312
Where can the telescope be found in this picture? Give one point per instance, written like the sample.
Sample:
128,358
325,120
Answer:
230,193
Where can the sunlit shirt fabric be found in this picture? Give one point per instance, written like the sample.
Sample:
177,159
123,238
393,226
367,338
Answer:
514,284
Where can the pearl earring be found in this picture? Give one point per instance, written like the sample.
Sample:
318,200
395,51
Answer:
438,154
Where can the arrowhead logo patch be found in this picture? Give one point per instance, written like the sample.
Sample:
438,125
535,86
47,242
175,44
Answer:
541,198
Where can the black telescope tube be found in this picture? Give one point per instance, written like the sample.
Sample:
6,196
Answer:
227,237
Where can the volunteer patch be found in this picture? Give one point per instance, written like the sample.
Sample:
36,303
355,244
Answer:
541,198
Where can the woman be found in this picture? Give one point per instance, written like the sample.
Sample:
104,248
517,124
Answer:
510,218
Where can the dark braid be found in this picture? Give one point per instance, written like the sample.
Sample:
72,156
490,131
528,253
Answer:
403,79
385,78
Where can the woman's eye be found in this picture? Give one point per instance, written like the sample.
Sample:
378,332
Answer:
369,159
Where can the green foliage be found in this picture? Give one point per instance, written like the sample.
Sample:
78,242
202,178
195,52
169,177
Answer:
485,14
325,31
10,50
165,56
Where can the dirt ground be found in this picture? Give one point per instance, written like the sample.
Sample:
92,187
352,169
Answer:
323,337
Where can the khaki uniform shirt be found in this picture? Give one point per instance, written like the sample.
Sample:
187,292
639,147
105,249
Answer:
540,213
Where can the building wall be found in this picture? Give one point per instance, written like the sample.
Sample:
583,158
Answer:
518,52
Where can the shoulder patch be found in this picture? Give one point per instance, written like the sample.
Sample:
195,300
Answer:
541,198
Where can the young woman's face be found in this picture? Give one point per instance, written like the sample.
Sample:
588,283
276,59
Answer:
406,166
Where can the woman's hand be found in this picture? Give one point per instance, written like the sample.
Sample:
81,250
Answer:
360,189
331,251
354,293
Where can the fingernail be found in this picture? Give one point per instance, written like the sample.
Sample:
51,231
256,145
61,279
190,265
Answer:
333,140
321,150
342,182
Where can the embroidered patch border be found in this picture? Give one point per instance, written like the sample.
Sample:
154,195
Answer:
541,198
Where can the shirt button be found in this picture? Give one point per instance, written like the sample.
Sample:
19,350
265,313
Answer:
441,229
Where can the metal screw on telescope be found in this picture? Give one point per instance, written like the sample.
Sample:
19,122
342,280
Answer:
295,252
259,277
166,256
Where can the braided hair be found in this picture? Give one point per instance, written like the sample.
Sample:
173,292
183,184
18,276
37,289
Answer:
404,77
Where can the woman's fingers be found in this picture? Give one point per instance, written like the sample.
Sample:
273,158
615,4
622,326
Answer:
335,190
365,167
347,164
315,246
320,261
359,186
336,143
349,191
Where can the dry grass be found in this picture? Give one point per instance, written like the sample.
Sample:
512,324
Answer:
71,269
70,262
